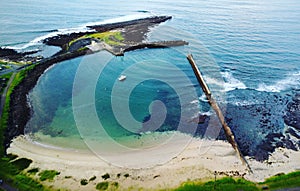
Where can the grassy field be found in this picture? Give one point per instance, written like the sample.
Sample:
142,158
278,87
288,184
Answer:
110,37
280,181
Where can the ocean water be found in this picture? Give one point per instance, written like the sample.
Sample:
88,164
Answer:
248,52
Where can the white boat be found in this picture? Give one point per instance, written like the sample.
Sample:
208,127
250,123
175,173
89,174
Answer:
122,78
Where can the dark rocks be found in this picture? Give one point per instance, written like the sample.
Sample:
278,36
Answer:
80,44
161,44
292,116
144,21
63,40
135,31
13,55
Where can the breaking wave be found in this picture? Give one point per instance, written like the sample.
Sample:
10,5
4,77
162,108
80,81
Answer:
82,28
231,83
292,81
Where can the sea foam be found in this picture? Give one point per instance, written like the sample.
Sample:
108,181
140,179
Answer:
82,28
231,83
292,81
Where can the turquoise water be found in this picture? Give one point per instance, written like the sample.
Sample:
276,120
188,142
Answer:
250,60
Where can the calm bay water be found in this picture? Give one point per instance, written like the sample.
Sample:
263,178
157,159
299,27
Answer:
253,65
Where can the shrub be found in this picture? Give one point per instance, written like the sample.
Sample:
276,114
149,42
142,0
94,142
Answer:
92,178
102,186
48,174
105,176
22,163
33,170
84,182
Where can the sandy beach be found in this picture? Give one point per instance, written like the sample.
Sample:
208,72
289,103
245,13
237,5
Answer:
198,161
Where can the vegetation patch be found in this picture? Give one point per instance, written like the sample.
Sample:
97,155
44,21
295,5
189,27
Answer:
12,174
114,185
109,37
224,184
92,178
3,81
26,183
48,174
6,109
33,171
102,185
84,182
22,163
281,181
105,176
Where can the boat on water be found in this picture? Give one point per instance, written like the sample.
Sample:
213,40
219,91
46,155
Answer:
122,78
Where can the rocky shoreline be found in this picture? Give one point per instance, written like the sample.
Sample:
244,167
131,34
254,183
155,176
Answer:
20,111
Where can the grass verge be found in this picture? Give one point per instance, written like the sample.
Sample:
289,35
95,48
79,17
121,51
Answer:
281,181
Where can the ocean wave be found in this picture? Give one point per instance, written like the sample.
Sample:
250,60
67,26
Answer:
231,83
120,19
292,81
38,40
82,28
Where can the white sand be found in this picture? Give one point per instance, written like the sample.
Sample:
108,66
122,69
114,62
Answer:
198,161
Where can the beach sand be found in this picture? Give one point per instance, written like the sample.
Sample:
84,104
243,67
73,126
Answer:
198,161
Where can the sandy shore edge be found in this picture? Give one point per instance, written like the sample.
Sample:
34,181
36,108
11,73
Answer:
198,161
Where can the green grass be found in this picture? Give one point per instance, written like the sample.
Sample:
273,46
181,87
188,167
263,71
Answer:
102,186
26,183
283,181
5,62
33,171
224,184
5,113
11,172
110,37
48,174
3,85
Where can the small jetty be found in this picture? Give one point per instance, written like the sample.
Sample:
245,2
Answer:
214,105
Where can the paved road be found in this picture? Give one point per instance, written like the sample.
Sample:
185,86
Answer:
3,97
7,187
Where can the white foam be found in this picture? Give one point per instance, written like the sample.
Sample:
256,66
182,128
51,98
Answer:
231,83
207,113
203,98
121,19
291,81
38,40
82,28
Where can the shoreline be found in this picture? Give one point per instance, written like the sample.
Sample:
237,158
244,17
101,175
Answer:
193,164
20,111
